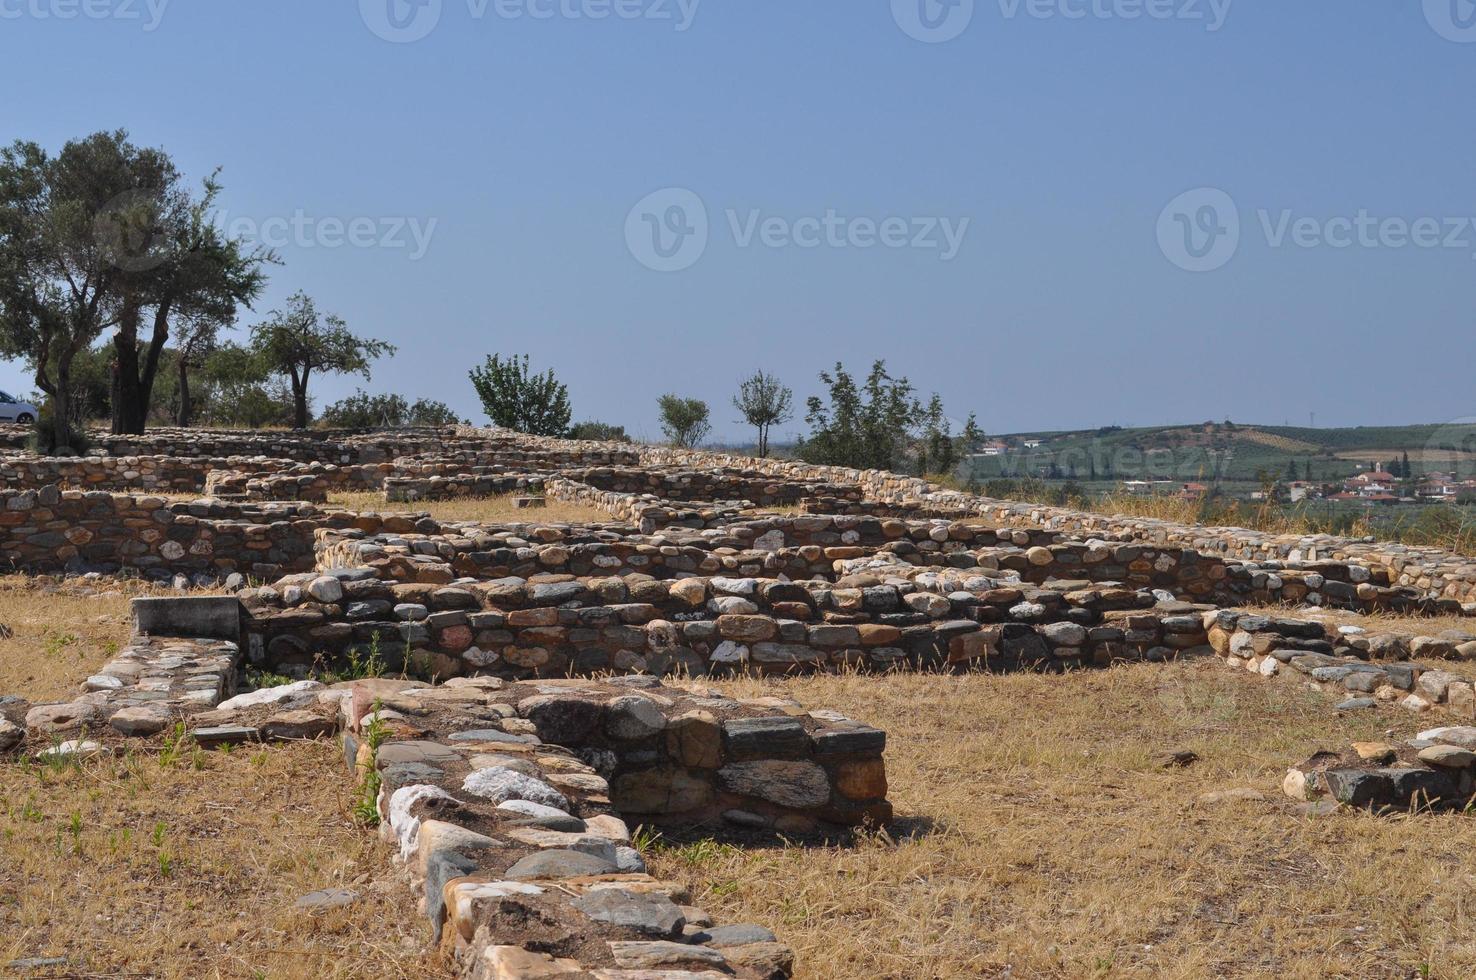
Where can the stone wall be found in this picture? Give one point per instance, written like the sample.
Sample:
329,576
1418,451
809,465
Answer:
52,530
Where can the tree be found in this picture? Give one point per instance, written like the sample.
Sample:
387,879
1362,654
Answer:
866,427
59,280
764,403
599,432
684,421
296,342
515,398
937,452
362,410
199,339
175,265
241,390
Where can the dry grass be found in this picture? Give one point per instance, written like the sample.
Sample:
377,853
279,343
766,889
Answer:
1040,836
1377,621
499,509
190,870
60,637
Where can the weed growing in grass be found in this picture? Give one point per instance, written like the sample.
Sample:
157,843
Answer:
366,807
176,743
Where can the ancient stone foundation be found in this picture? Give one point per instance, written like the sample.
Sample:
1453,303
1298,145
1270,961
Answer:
514,697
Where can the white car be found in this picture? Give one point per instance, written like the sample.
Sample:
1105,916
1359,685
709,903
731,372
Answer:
14,410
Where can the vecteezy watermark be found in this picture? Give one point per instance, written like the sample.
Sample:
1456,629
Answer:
933,21
669,230
147,13
405,21
1454,20
936,21
1211,13
302,230
1200,230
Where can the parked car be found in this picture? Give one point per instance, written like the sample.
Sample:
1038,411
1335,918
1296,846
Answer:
14,410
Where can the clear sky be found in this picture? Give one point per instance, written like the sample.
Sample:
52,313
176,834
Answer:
1035,152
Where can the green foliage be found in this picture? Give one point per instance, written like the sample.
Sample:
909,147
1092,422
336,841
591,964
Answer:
937,450
238,390
764,403
599,432
515,398
865,427
362,410
366,807
105,234
296,342
684,421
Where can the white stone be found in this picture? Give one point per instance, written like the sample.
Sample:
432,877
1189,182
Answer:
298,691
499,785
403,823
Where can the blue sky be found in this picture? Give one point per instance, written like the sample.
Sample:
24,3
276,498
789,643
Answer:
1056,138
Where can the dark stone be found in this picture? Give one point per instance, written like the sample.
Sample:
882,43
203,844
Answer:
765,738
563,720
556,863
651,915
870,741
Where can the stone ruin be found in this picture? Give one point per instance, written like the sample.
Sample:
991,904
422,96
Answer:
541,686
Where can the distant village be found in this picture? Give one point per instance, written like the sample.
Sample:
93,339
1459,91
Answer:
1391,483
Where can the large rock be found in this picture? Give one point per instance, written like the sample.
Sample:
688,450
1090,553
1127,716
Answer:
296,694
140,721
654,915
660,791
500,784
797,785
50,719
555,864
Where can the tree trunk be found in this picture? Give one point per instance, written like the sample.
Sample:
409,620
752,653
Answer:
300,400
151,365
60,436
124,394
183,418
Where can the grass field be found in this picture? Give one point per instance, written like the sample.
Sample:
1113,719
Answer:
1040,836
189,869
59,638
486,509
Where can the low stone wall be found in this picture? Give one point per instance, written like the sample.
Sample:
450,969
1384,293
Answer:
516,628
52,530
512,820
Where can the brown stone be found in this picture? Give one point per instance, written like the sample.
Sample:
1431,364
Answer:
865,779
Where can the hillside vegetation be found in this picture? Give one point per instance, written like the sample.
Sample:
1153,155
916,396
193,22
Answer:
1229,452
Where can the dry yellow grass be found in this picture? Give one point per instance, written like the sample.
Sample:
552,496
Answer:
59,639
1375,622
484,509
190,870
1040,836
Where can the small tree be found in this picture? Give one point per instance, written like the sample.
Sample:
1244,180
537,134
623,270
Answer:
515,398
599,432
684,421
937,452
864,427
362,410
764,403
296,342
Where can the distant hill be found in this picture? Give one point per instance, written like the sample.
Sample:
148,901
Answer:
1228,451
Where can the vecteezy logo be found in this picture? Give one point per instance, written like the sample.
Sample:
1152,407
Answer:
933,21
1199,231
1454,20
401,21
667,231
